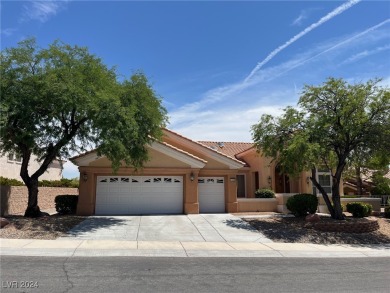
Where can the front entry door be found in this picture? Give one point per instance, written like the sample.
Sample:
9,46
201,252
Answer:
282,182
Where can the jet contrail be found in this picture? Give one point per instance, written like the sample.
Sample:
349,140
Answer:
324,19
338,45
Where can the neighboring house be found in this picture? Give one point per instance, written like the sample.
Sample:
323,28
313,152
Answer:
10,168
183,176
350,185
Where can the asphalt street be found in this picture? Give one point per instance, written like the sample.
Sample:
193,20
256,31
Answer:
149,274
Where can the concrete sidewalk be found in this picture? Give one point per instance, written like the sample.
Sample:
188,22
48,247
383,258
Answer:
97,248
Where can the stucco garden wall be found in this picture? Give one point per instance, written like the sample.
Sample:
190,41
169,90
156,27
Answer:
375,202
257,204
14,198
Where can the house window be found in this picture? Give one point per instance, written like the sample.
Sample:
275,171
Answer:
324,178
241,190
14,158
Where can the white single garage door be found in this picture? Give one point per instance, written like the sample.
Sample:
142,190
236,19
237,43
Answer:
211,192
136,195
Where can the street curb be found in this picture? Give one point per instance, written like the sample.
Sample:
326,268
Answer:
112,248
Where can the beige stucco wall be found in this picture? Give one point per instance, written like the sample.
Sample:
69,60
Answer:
14,198
257,205
266,169
11,169
87,196
375,202
156,160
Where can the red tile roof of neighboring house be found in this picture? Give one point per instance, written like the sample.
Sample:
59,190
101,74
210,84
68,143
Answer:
82,155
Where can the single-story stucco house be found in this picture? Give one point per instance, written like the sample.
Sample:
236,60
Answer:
184,176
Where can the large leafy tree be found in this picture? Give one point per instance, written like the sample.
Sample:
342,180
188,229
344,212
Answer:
333,124
63,99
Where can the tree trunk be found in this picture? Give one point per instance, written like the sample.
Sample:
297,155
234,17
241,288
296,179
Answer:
335,209
324,195
338,211
359,183
32,210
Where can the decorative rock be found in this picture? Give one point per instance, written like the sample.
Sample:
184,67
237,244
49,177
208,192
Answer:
364,225
312,218
4,222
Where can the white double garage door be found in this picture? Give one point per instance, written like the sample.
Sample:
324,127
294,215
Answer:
136,195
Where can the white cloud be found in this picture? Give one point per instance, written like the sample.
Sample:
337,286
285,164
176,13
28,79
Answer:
301,17
231,124
366,53
340,9
41,10
226,113
8,31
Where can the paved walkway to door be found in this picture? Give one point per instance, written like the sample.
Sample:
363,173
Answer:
197,228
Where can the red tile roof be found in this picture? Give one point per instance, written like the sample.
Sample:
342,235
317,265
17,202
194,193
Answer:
230,149
205,146
164,143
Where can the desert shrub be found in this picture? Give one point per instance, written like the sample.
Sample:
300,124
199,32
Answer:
44,183
387,212
59,183
351,196
264,193
359,209
10,182
66,204
302,204
343,208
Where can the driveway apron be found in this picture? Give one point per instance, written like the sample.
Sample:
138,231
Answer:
197,228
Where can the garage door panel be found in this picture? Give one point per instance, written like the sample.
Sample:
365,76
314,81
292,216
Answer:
139,195
211,191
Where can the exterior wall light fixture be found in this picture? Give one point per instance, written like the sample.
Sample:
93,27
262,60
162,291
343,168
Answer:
85,176
307,179
269,180
192,177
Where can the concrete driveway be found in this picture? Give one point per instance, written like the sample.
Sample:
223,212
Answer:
202,227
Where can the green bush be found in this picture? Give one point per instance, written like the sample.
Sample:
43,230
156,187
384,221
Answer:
59,183
387,212
303,203
359,209
66,204
343,208
74,183
351,196
264,193
10,182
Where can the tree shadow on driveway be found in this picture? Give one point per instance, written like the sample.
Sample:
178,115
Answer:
239,224
93,224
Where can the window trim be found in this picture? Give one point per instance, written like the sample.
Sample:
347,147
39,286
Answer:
329,173
13,158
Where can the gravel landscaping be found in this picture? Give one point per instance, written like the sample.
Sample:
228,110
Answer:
297,230
48,227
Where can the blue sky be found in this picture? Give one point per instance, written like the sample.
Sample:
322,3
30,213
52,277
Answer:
217,65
